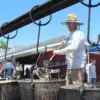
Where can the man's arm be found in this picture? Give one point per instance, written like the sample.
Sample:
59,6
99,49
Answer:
75,42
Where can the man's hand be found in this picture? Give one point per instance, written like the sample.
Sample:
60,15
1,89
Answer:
63,42
54,51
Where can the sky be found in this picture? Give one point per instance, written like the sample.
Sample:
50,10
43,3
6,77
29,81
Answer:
27,35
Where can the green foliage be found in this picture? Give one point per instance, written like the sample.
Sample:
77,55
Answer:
3,44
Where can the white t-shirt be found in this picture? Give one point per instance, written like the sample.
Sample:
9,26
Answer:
91,70
19,68
75,50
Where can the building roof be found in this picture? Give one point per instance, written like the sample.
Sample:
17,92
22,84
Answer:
50,44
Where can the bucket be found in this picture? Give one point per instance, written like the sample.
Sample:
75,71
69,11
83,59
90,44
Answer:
73,92
40,89
9,90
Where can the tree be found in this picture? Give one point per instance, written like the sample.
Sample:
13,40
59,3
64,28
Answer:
3,44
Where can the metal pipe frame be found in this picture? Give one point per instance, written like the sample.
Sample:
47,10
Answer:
39,12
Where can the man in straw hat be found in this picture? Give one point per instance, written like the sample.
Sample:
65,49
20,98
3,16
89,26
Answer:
75,49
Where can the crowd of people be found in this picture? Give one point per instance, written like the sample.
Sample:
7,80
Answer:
11,71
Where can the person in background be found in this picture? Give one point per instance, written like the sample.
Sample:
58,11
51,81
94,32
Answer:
31,70
2,71
9,70
1,74
85,77
91,71
27,73
75,49
18,70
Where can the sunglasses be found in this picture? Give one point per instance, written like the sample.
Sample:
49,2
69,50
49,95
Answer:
70,23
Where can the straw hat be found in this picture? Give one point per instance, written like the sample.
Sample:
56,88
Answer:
72,18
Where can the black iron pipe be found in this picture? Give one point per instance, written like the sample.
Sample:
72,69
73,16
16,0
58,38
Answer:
39,12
